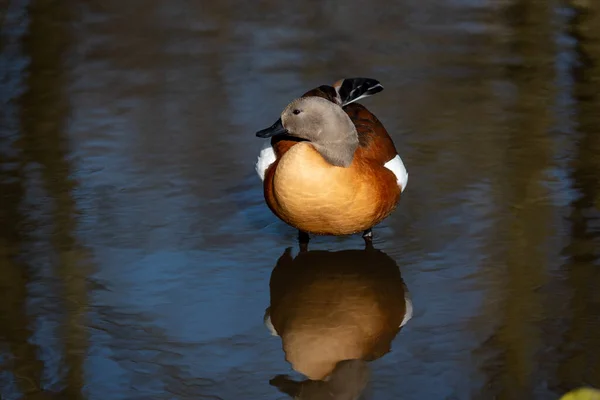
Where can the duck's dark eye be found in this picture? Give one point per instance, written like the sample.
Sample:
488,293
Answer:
296,112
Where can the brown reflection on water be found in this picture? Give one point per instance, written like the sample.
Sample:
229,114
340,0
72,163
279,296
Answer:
15,327
331,307
43,169
44,117
580,348
524,226
16,269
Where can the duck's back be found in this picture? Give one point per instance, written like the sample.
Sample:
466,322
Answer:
375,143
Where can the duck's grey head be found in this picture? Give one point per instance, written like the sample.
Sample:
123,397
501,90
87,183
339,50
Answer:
321,122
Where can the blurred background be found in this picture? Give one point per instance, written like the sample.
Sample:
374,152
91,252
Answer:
135,245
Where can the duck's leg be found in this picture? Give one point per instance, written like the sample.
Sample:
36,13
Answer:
369,245
368,235
303,239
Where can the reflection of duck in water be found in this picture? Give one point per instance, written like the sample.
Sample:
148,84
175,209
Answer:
346,382
328,307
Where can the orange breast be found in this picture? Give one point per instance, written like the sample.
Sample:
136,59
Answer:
308,193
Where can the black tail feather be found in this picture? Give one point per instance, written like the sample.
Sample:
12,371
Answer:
352,89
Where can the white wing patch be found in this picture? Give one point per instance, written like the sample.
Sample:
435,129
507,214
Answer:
268,323
266,157
408,312
397,167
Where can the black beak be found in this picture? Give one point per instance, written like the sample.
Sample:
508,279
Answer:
275,129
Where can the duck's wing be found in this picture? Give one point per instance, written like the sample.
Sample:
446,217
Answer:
346,91
342,92
374,141
375,144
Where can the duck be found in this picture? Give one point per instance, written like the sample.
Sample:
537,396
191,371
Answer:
331,306
330,167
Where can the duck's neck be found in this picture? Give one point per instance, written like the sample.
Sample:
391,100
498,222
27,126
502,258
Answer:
339,154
